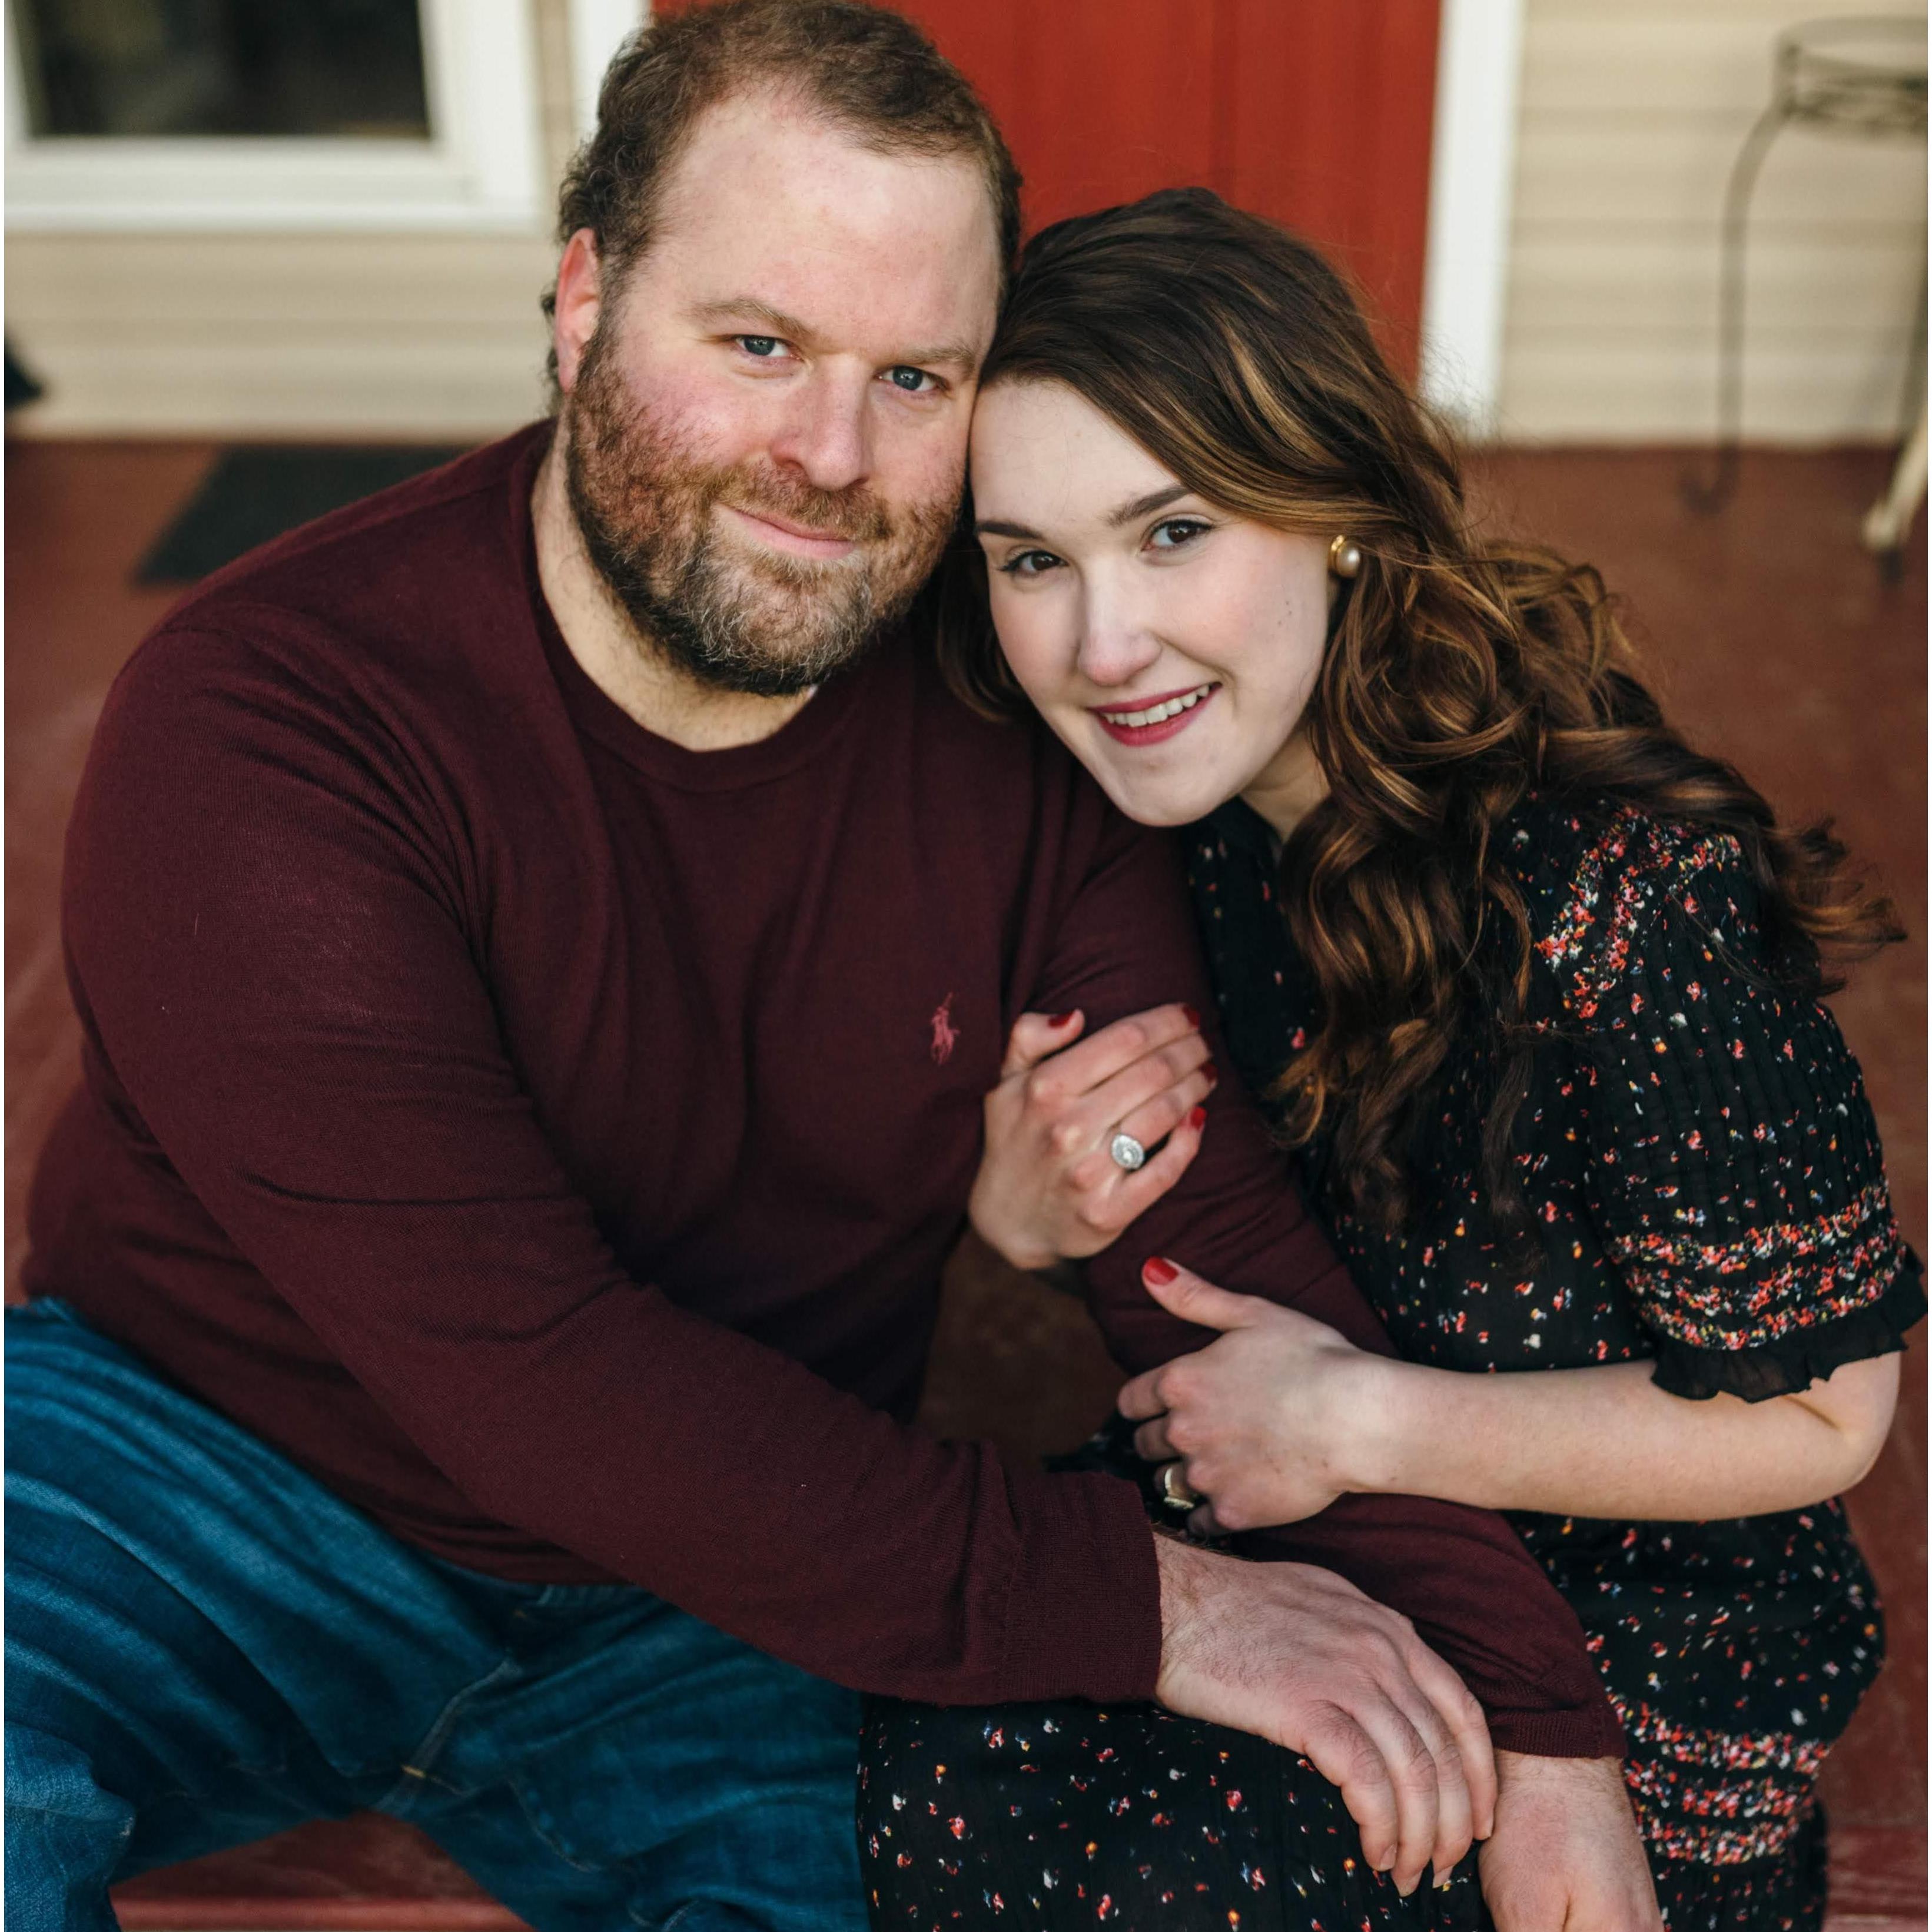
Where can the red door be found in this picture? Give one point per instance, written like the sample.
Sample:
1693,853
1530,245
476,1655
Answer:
1317,113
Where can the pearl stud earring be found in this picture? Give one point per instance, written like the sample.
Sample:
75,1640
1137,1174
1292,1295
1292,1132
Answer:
1345,557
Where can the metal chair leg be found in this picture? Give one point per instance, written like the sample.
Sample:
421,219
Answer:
1698,493
1889,519
1889,522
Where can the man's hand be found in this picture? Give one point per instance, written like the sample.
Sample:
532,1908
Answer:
1565,1855
1297,1655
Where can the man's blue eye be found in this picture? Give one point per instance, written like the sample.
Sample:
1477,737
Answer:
759,345
907,379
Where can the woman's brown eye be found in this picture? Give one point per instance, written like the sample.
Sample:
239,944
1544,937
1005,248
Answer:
1182,530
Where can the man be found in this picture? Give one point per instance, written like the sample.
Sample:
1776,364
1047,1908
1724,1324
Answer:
542,938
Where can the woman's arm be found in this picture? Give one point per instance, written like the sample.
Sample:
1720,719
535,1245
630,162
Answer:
1283,1415
1281,1411
1607,1441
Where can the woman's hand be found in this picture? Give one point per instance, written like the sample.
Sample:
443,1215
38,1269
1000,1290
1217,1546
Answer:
1049,1190
1565,1851
1266,1421
1281,1415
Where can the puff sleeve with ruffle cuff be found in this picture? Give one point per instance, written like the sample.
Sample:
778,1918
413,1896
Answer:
1805,1353
1735,1167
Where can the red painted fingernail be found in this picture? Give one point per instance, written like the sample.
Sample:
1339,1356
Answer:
1159,1270
1199,1118
1193,1018
1057,1019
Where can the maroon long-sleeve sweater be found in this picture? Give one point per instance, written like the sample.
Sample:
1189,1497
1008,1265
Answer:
550,1137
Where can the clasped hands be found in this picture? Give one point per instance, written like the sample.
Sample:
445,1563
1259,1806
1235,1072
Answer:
1261,1421
1265,1421
1270,1423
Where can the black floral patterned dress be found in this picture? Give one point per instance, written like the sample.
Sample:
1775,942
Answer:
1709,1192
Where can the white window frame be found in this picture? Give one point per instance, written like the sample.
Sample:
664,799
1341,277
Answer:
480,170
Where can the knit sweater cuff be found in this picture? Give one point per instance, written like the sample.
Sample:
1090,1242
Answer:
1084,1619
1587,1730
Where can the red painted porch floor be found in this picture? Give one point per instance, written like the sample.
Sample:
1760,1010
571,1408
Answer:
371,1874
1774,641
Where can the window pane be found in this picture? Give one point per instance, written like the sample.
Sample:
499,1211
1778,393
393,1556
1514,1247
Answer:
202,67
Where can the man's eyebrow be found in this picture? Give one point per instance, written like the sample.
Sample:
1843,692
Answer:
955,354
1142,506
738,308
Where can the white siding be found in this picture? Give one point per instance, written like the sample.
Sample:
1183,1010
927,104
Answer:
393,337
1632,113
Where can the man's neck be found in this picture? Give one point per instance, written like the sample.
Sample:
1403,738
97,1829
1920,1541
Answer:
629,670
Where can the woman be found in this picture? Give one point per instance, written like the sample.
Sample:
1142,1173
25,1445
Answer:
1532,989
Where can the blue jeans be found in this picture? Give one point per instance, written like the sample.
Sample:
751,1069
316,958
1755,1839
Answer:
204,1646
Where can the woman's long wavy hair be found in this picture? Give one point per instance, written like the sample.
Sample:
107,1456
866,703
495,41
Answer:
1460,672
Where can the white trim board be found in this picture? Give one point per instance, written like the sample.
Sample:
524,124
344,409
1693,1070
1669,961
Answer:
1465,275
480,170
598,28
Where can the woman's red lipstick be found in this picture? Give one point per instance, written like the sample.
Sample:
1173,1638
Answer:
1156,733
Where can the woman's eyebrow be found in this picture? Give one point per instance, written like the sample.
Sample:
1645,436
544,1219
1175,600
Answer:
1142,506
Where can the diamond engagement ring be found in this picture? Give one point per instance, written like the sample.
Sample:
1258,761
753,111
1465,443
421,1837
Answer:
1173,1490
1128,1152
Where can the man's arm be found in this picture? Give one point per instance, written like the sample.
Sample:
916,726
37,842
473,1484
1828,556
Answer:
1124,943
271,941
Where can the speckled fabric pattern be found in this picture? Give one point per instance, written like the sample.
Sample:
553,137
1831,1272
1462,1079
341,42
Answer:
1708,1193
1063,1815
1056,1816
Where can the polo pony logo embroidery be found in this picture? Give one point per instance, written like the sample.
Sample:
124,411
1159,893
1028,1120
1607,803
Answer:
945,1034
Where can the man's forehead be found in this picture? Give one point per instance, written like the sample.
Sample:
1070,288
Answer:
731,142
770,205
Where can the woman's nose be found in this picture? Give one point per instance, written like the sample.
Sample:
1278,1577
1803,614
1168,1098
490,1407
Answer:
1114,650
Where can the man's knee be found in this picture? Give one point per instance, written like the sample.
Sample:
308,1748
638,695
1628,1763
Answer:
66,1835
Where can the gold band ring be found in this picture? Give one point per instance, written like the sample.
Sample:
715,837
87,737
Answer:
1173,1490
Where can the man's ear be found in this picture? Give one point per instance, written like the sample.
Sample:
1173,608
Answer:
579,302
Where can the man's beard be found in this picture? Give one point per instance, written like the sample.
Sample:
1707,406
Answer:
737,617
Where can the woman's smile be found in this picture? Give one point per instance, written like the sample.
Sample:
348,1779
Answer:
1152,721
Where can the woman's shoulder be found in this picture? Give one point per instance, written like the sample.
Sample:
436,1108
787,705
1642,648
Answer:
1613,890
